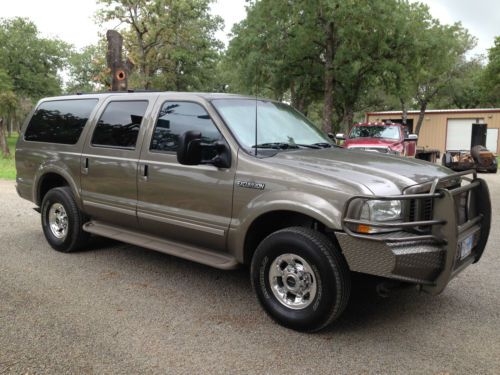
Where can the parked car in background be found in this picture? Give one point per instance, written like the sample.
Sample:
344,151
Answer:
388,138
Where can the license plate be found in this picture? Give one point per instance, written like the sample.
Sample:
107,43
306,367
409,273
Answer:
466,247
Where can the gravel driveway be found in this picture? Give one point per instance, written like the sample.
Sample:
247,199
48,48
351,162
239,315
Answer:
121,309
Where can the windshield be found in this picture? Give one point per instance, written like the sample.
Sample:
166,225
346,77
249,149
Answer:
279,126
389,132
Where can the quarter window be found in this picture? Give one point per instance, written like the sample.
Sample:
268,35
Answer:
59,121
119,124
176,118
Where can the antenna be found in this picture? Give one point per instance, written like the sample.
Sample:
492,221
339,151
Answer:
256,104
256,125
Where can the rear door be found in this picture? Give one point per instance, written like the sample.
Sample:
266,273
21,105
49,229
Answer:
187,203
110,159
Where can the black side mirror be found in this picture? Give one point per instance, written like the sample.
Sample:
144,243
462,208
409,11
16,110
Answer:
189,149
223,157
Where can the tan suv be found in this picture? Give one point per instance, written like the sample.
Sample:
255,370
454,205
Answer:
226,180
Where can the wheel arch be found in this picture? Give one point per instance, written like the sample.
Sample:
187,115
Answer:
51,177
263,217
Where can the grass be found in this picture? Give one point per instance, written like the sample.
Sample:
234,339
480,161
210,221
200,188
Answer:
8,165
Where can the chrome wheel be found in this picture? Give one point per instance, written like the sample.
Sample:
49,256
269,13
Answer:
292,281
58,220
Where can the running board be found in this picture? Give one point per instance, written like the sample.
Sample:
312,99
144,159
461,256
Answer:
195,254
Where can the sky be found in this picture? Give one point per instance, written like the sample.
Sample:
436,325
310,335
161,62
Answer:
72,20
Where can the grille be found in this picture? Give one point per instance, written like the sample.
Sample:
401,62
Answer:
384,150
420,209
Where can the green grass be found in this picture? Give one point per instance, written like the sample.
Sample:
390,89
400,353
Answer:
8,165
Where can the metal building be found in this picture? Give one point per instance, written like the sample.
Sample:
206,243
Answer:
449,129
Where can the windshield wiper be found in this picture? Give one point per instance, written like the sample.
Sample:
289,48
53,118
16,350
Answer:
322,145
276,145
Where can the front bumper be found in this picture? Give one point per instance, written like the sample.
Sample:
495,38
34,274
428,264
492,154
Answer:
425,252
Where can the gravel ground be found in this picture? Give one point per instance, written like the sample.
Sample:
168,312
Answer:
121,309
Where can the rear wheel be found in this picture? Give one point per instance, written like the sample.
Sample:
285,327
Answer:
301,279
62,221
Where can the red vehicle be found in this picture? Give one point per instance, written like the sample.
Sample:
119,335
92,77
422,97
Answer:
389,138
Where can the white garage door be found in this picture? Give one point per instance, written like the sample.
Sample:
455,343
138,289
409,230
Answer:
459,133
492,140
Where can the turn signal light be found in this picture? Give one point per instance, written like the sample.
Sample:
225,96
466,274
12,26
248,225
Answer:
362,228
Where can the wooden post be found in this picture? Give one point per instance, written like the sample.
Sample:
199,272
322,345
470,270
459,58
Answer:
119,69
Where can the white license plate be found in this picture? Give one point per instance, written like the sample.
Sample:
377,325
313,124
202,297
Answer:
466,247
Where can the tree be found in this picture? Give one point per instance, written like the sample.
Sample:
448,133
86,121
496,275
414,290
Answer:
441,59
30,61
490,78
87,69
8,103
330,49
171,42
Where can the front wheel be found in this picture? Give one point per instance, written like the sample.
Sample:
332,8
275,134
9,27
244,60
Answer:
301,278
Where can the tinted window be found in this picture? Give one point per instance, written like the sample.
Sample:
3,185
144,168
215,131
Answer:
178,117
119,124
59,121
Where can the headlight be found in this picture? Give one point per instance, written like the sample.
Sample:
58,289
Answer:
381,211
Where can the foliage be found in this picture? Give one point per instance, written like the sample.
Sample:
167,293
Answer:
338,52
31,62
490,79
87,69
171,42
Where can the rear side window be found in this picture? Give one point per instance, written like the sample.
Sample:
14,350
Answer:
59,121
119,124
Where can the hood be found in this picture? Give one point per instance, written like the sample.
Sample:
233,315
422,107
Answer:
382,174
373,142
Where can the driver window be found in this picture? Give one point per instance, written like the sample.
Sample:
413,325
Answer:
176,118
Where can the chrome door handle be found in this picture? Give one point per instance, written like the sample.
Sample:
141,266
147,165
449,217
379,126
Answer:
85,167
144,172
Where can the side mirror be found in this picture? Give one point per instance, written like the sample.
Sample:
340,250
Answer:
340,136
412,137
189,149
223,157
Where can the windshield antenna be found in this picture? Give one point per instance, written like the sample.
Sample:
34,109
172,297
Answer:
256,144
256,93
256,121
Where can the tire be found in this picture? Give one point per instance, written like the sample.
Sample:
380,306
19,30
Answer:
71,239
325,302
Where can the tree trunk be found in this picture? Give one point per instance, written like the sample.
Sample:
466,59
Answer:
348,119
9,127
3,141
298,100
404,111
328,100
119,69
423,107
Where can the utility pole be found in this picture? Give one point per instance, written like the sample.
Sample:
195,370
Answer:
119,69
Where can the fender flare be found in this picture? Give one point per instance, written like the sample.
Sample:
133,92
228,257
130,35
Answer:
59,169
303,203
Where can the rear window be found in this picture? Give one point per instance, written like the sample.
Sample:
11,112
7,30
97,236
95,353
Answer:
59,121
119,124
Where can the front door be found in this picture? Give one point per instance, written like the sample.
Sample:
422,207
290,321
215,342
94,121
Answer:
110,160
188,203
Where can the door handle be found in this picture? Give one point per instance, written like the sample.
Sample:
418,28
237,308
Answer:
85,167
144,171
